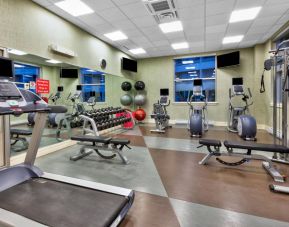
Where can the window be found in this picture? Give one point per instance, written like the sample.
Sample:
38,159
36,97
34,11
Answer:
189,69
25,74
92,81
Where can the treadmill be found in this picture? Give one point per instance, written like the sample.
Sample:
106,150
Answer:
30,197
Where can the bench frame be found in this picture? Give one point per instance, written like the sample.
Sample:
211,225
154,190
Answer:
18,137
267,163
87,149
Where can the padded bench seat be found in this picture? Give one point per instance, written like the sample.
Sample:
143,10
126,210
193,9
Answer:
93,139
209,142
22,132
256,146
118,141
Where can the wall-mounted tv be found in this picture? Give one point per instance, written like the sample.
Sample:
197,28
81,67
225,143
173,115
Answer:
6,68
129,65
229,59
60,88
78,87
237,81
198,82
164,92
69,73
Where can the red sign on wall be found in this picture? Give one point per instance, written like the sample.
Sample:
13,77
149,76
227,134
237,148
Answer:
42,86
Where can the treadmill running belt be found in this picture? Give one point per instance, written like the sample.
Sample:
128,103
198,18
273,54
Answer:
56,204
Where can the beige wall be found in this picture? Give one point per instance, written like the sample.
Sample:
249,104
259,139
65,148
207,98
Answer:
26,26
156,71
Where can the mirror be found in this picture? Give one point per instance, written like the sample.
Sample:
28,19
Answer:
70,85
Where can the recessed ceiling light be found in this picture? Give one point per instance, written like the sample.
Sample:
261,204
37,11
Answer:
115,36
74,7
178,46
53,61
233,39
138,51
174,26
16,52
244,14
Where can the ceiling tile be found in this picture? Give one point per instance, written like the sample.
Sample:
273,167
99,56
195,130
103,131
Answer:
112,15
146,21
219,7
92,20
134,10
243,4
220,19
97,6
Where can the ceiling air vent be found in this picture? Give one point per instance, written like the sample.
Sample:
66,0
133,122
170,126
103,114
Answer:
162,10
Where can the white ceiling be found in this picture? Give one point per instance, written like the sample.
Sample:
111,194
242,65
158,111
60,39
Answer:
205,23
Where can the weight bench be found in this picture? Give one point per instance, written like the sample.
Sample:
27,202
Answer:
17,135
214,146
97,143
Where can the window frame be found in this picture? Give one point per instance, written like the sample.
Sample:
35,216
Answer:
94,84
216,77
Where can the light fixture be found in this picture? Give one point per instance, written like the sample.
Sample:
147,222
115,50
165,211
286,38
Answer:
19,66
244,14
74,7
90,70
115,36
178,46
137,51
174,26
233,39
191,67
16,52
53,61
187,62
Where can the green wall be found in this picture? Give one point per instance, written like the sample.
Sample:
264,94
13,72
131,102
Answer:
156,71
26,26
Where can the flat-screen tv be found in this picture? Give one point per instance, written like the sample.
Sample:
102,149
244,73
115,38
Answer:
78,87
229,59
69,73
237,81
92,94
129,65
60,88
6,68
164,92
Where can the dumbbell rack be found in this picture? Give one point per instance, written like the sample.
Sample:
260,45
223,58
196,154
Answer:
104,120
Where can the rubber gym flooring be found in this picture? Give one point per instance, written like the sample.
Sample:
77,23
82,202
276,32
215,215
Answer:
172,189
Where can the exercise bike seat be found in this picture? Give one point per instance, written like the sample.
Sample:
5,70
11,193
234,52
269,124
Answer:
256,146
93,139
209,142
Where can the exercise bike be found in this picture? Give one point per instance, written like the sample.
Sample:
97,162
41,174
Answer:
160,114
239,119
198,122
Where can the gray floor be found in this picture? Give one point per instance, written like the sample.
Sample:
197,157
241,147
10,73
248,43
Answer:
140,174
196,215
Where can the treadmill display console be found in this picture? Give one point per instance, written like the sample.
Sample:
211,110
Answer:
9,91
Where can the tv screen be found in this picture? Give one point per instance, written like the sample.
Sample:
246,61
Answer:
164,92
92,94
6,68
237,81
228,59
60,88
78,87
69,73
198,82
128,64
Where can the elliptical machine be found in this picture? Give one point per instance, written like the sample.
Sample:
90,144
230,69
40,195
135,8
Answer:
53,118
239,119
160,114
198,122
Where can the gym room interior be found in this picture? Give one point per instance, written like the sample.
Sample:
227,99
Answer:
144,113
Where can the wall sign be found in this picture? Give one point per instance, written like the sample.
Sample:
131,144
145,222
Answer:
42,86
